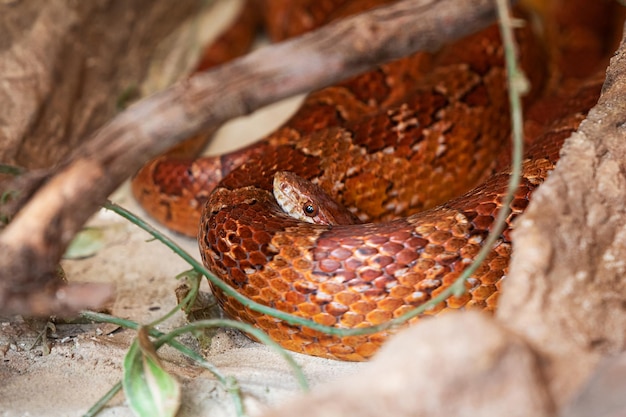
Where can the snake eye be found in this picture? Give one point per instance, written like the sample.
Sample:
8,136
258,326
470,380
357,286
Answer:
310,209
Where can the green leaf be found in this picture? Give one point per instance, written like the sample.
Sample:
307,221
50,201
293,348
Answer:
86,243
149,389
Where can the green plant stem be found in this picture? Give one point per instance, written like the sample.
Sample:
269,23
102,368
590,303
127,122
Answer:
244,327
195,280
102,402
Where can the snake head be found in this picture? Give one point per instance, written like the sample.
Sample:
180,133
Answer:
308,202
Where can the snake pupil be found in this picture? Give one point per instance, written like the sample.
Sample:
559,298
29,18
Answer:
310,210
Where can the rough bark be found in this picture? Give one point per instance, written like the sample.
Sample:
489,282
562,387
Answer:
65,64
64,67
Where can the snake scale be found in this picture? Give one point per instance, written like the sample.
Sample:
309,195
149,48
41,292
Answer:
416,149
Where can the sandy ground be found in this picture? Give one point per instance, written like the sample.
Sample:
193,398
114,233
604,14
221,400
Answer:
85,361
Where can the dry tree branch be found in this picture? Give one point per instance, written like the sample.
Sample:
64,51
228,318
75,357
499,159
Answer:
36,238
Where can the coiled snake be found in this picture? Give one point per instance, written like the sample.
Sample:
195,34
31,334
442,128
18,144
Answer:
413,149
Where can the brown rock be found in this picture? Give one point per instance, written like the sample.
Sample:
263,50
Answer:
565,291
434,368
603,395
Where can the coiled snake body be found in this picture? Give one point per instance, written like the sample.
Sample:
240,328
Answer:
408,166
